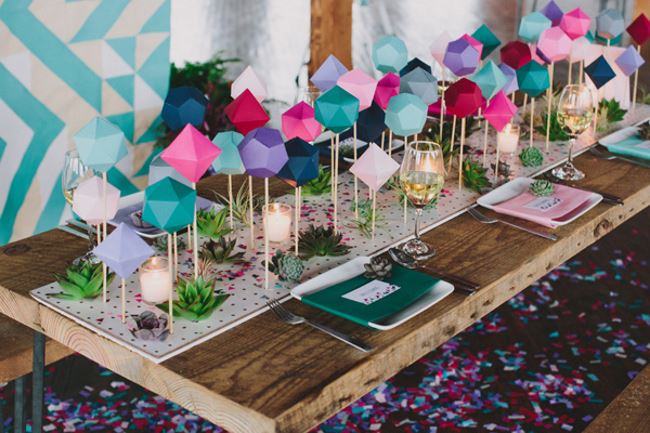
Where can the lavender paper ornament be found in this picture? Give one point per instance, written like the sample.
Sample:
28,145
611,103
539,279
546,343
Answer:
511,76
374,167
263,153
123,251
629,61
328,73
461,57
553,12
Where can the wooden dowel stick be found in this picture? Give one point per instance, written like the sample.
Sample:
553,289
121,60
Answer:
195,249
496,166
170,300
532,118
636,82
383,136
581,71
123,301
356,180
266,233
250,213
296,206
175,273
485,137
390,142
551,70
104,233
189,236
453,139
442,103
374,215
336,184
232,222
569,79
332,151
460,157
523,107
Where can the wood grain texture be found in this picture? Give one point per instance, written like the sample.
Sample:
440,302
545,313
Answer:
629,412
331,32
265,376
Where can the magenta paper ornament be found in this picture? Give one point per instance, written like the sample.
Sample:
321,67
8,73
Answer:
374,167
299,121
88,201
248,79
500,111
439,46
191,153
360,85
575,23
387,87
554,44
246,112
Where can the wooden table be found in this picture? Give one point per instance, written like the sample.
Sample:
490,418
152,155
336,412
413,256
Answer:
265,376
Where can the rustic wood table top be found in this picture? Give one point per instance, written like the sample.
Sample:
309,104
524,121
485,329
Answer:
264,376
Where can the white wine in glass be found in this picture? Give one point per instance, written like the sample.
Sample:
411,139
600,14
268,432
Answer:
574,114
74,172
421,177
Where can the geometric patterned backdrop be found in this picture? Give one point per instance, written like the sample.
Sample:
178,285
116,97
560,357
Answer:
63,62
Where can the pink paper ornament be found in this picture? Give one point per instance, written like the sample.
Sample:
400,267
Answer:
299,121
500,111
374,167
387,87
360,85
581,49
191,153
248,79
439,46
554,44
88,201
575,23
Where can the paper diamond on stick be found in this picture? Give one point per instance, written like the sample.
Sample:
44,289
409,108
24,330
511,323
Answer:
439,47
533,79
554,44
412,64
420,83
500,111
302,165
511,77
463,98
532,26
553,12
159,169
100,144
248,80
371,123
387,87
246,113
263,153
229,162
475,43
374,167
575,23
191,153
639,30
169,205
88,201
328,73
389,54
336,109
184,105
490,79
487,38
515,54
461,57
582,49
360,85
629,61
123,251
406,114
600,72
300,121
610,24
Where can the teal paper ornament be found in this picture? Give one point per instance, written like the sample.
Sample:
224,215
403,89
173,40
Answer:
406,114
336,109
229,162
490,79
532,25
100,144
489,40
169,205
533,79
389,54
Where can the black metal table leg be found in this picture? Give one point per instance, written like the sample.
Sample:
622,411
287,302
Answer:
19,405
38,382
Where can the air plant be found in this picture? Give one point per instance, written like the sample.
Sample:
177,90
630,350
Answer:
221,251
240,203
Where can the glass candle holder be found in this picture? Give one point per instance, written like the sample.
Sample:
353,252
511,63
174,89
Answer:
508,139
277,221
155,280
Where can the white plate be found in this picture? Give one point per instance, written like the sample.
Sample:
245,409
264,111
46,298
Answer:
618,136
354,268
521,184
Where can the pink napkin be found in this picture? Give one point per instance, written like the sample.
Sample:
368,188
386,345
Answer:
547,211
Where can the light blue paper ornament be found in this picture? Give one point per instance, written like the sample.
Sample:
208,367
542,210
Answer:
159,169
229,162
389,54
490,79
511,75
532,25
100,144
406,114
420,83
610,24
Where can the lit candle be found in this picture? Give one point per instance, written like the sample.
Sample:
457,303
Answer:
508,139
155,280
277,221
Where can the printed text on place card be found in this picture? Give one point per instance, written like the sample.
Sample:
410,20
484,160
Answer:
371,292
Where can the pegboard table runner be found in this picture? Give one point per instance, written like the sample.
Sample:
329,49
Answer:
244,282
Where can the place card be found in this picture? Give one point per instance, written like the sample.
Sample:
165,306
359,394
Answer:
371,292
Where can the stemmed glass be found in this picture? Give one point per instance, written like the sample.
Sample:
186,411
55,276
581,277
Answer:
421,177
74,172
309,94
574,113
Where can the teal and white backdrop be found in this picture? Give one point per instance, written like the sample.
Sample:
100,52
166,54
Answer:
63,62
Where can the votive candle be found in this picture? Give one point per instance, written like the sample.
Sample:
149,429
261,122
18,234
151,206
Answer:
508,139
277,221
155,280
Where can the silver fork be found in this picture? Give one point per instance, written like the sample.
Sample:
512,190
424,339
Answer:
609,156
293,319
491,220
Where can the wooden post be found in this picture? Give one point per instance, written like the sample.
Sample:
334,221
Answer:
331,32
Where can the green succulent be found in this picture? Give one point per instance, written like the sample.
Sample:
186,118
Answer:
364,222
541,188
644,131
197,299
531,157
557,131
346,151
212,223
240,203
321,241
609,111
474,176
320,185
221,251
82,280
288,267
378,268
161,243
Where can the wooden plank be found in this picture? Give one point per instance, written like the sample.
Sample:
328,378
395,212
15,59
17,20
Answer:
629,412
331,32
16,354
265,376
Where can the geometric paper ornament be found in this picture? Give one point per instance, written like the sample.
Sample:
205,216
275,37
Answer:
123,251
532,25
461,57
406,114
360,85
463,98
302,165
100,144
421,83
639,29
387,87
88,201
248,79
439,46
389,54
575,23
490,79
263,153
371,123
629,61
511,75
336,109
499,111
328,73
300,121
475,43
246,113
191,153
169,205
533,79
582,49
515,54
184,105
159,169
374,167
553,12
412,64
600,72
610,24
489,40
554,44
229,162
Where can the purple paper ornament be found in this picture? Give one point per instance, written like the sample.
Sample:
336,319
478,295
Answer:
263,153
123,251
461,57
511,74
553,12
328,73
629,61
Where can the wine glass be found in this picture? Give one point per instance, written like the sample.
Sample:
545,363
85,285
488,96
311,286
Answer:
309,94
421,177
574,112
74,172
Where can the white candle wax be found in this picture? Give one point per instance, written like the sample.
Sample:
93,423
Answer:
155,280
277,222
508,139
